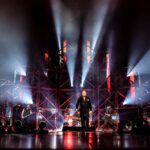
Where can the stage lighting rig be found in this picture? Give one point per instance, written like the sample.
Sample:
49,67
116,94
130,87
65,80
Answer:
62,53
61,59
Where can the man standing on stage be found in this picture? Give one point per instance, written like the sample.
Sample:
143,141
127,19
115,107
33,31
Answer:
84,107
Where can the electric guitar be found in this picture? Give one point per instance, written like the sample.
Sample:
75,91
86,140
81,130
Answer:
28,115
39,109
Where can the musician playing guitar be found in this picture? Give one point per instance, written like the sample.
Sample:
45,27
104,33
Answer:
26,112
108,118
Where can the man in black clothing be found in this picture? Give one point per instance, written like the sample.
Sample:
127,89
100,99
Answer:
84,107
26,112
17,110
25,115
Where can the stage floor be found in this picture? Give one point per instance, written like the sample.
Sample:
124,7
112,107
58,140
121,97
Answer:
75,140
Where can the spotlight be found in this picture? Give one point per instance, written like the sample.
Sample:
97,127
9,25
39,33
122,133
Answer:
46,73
125,102
56,8
20,71
129,101
81,85
141,66
71,84
86,61
71,58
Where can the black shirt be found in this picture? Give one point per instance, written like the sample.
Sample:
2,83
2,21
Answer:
84,105
26,112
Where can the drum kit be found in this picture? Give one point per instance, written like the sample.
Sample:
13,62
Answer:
114,116
72,120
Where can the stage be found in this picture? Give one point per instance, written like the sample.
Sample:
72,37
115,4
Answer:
70,64
75,140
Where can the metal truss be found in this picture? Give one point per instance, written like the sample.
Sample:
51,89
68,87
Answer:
53,95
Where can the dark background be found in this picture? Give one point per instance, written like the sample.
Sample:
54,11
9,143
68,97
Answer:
130,24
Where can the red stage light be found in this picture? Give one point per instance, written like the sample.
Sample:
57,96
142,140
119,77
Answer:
108,72
65,51
65,47
46,56
132,85
65,58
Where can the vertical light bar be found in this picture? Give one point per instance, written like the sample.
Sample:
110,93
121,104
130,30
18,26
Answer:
108,72
88,48
65,50
132,85
21,77
139,79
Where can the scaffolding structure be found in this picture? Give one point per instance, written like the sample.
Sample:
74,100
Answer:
53,95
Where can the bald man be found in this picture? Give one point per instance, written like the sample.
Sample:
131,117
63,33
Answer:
84,107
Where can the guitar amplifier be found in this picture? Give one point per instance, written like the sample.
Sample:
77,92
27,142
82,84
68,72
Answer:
129,114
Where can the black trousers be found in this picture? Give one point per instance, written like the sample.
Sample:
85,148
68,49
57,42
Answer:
85,121
26,122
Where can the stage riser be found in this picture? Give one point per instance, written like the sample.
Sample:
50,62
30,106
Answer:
66,128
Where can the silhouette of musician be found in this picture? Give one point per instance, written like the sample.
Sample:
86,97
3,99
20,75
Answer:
25,115
108,118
